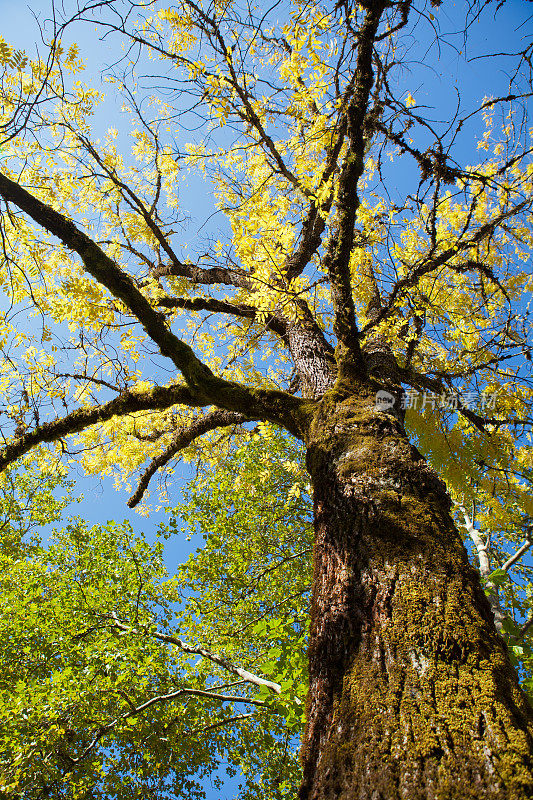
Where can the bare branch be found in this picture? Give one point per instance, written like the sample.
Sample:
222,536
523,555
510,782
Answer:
181,439
107,273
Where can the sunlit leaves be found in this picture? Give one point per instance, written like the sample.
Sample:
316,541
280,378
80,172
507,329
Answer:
82,664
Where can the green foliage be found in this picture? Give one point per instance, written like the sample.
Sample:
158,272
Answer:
93,699
85,680
27,503
249,583
72,675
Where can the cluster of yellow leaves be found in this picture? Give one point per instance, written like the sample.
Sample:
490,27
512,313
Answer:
264,206
487,471
10,57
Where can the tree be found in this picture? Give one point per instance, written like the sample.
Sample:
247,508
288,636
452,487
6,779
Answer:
112,682
351,289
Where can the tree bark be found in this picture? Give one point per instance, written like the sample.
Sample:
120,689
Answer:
411,692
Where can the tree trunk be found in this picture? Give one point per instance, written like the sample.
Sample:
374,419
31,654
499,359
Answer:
411,692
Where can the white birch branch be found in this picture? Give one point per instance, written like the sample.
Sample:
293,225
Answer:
484,566
479,543
249,677
519,553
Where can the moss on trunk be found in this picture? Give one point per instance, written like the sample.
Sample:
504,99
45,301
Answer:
411,692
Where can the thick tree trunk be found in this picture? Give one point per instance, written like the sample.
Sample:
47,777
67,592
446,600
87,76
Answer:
411,692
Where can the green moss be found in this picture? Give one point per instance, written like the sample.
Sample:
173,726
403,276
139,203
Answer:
428,717
429,706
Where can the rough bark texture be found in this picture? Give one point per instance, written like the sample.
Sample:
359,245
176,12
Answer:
411,693
312,358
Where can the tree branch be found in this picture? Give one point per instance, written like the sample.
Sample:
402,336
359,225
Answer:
485,570
181,439
484,567
134,201
159,397
337,259
273,405
517,555
227,721
161,698
315,224
430,263
206,276
249,677
274,323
